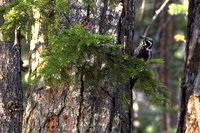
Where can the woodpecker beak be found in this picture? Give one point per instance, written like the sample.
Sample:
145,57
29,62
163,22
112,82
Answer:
142,37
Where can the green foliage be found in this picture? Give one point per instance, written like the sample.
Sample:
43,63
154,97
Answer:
147,82
88,54
124,101
91,3
74,52
16,17
155,61
73,49
61,5
176,9
20,14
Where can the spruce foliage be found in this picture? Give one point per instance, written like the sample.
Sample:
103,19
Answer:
74,52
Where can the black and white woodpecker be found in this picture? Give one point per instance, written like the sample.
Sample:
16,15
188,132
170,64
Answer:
144,50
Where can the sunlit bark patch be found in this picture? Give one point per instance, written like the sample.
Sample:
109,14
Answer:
52,123
193,117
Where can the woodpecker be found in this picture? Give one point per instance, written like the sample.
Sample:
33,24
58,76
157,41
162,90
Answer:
144,50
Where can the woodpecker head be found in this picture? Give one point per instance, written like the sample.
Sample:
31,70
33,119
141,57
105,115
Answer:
147,42
144,50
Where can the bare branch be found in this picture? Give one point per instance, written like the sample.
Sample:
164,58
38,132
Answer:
155,16
142,10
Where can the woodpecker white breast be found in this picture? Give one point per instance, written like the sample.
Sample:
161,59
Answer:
144,50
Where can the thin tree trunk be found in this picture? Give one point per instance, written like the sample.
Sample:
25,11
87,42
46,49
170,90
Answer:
126,37
11,108
168,119
189,112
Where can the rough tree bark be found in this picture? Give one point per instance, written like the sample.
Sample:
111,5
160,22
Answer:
80,110
10,84
189,112
126,37
36,97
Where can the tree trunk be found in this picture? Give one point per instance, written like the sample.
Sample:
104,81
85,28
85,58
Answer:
126,37
163,71
11,108
78,110
36,96
190,87
166,41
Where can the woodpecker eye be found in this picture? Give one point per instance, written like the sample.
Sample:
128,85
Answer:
149,43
